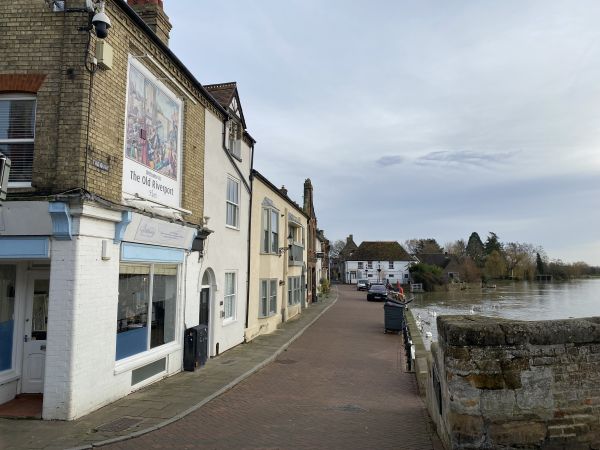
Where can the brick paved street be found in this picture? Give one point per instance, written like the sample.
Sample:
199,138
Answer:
340,385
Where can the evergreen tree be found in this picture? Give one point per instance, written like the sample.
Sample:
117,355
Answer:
539,264
492,244
476,249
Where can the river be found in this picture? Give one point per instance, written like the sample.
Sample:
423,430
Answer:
511,300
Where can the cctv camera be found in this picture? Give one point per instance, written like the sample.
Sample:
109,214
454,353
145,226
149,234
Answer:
101,22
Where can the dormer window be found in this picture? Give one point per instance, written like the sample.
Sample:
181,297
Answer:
234,138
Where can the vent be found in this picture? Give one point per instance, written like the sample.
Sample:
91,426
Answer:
148,371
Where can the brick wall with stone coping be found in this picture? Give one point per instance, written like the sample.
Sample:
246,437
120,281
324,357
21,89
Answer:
495,383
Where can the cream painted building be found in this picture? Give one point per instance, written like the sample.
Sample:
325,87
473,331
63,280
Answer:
278,254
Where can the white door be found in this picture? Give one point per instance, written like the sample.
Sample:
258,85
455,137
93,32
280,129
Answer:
36,321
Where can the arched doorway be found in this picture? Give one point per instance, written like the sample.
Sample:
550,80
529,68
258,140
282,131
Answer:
207,289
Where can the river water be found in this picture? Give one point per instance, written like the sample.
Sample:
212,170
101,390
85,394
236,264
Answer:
513,300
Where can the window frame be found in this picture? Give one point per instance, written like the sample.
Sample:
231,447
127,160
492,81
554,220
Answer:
268,292
294,290
360,265
390,264
267,235
232,298
235,206
369,264
140,358
22,96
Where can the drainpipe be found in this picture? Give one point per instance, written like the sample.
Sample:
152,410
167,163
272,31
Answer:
249,239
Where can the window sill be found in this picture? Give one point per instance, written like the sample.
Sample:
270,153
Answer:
8,376
228,322
269,316
269,254
231,227
141,359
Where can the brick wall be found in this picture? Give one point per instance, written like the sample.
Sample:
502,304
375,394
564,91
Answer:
49,45
512,384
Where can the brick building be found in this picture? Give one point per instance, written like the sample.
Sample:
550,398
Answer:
103,224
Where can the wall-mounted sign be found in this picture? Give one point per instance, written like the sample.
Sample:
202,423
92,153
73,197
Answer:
152,157
101,165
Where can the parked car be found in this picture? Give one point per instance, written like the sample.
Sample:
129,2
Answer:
362,285
377,292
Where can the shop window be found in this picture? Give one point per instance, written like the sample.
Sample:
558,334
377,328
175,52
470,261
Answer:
147,307
7,315
17,130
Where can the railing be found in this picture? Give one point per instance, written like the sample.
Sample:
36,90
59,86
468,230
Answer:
416,287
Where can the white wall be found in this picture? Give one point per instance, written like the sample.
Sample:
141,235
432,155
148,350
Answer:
398,272
226,249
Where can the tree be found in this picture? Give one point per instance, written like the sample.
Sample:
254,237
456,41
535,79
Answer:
429,245
539,264
475,249
520,260
492,244
469,272
495,266
336,248
458,248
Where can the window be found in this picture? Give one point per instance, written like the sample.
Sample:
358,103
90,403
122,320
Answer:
7,315
361,265
390,264
268,298
233,194
391,275
234,139
229,297
294,290
17,129
369,264
147,307
270,231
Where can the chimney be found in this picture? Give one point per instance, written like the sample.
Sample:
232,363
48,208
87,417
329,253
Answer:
350,239
153,14
283,190
308,197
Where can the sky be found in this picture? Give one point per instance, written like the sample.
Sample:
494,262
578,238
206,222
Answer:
418,119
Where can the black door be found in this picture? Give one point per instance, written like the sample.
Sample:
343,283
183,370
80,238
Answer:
204,296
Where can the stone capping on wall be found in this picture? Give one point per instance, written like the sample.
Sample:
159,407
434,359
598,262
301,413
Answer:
481,331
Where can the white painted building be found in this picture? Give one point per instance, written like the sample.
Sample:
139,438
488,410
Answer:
378,262
227,166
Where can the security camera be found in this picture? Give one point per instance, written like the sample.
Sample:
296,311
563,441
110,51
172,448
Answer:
101,22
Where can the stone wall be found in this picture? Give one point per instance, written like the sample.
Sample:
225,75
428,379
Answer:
496,383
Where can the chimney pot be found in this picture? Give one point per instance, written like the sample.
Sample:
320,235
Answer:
152,12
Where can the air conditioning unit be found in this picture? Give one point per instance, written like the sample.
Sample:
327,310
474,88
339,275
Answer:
4,173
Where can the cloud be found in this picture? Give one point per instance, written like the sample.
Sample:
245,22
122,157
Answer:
390,160
464,157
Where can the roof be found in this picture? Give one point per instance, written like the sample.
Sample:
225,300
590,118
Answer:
224,93
380,251
437,259
257,174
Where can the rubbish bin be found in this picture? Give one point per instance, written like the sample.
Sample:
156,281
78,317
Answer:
394,316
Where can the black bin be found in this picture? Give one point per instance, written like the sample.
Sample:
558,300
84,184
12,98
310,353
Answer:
394,315
195,347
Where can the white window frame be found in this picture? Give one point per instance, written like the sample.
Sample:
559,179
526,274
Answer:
268,297
230,298
152,354
361,265
294,290
17,96
390,264
269,248
369,264
234,141
230,202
